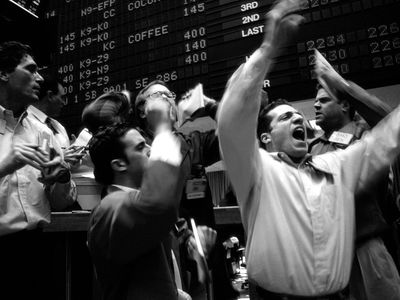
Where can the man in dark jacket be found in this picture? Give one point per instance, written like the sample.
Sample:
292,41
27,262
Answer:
128,233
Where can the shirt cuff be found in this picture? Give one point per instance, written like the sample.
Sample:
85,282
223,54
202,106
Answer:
166,147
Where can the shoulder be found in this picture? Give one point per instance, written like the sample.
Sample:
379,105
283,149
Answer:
115,200
35,124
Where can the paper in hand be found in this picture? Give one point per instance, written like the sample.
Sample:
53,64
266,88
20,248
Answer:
203,261
83,138
189,104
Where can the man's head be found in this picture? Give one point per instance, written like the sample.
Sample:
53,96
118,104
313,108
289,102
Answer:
19,77
155,105
109,108
51,96
281,128
119,155
331,114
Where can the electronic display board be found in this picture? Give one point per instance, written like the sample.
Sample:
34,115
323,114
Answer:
115,44
30,6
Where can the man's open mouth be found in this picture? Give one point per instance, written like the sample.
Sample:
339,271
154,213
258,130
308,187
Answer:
299,134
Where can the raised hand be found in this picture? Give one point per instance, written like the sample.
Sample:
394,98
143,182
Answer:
281,17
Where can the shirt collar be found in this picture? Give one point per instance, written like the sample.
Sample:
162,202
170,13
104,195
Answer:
6,113
37,113
349,128
282,156
124,188
307,160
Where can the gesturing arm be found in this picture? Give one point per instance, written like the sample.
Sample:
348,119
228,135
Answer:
237,116
370,107
126,225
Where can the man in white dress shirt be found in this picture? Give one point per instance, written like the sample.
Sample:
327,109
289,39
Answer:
297,210
26,200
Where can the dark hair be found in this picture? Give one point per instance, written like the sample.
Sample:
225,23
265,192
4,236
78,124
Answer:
95,115
105,146
50,83
341,96
11,54
141,99
264,120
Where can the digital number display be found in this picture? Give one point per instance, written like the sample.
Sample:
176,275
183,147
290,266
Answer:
114,44
30,6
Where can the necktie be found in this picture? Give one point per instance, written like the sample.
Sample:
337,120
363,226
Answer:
50,125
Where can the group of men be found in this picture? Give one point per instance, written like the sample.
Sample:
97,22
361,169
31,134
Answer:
310,208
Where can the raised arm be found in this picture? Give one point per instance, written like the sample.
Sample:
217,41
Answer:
127,225
237,116
371,108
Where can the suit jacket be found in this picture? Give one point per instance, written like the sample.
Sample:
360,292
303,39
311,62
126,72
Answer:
129,239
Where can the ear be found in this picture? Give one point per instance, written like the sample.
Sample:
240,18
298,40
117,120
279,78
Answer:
141,110
345,106
265,138
118,165
142,114
49,95
4,76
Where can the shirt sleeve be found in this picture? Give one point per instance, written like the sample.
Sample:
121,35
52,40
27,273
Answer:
369,158
237,123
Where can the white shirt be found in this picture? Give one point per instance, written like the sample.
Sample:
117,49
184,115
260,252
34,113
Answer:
24,203
299,221
61,137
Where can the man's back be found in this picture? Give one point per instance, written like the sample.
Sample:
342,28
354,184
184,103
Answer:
147,274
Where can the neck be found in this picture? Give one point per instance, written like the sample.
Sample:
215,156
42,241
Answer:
338,126
127,181
12,104
41,106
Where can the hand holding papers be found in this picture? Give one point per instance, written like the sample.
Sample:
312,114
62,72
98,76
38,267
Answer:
190,102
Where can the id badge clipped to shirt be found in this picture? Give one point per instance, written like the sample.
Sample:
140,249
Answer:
341,139
196,188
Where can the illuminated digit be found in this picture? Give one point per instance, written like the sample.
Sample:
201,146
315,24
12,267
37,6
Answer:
394,27
376,62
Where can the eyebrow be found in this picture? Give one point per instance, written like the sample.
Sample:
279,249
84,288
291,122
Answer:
289,114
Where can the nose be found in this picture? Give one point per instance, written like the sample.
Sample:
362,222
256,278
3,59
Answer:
38,77
297,119
63,100
147,150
